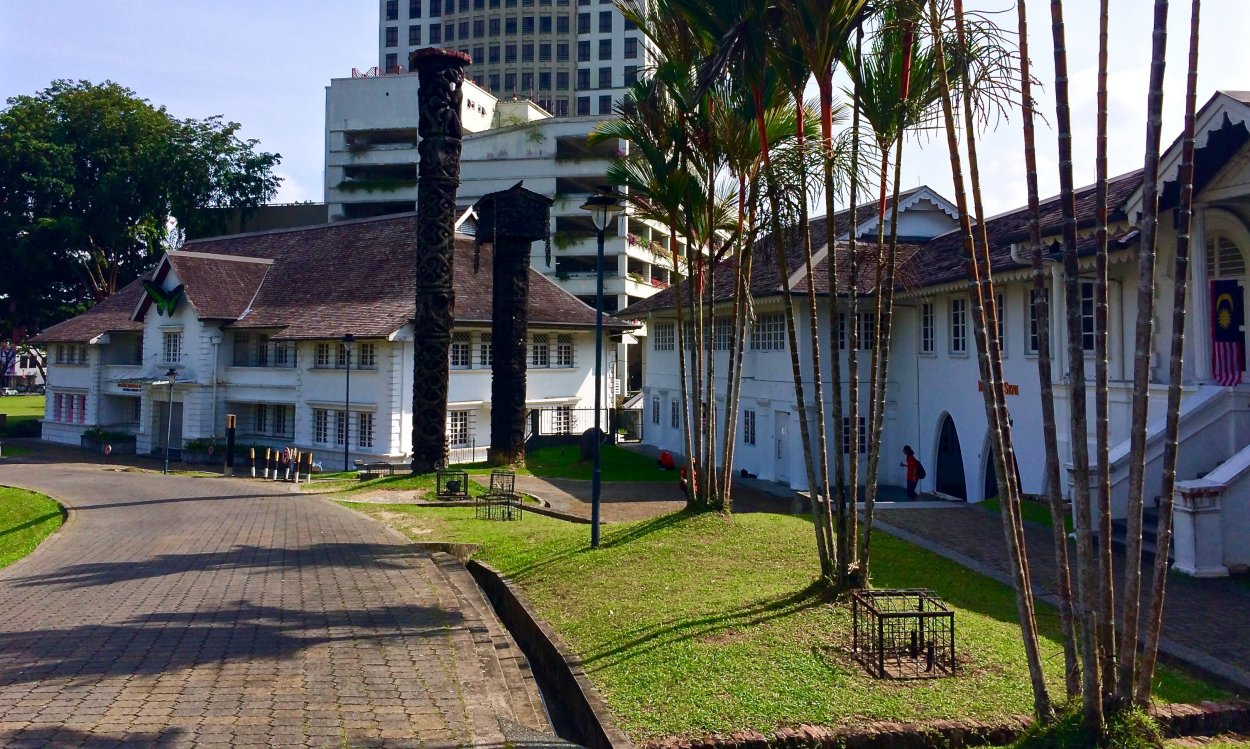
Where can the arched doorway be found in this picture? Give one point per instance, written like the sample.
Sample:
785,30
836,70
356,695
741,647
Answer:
949,479
990,484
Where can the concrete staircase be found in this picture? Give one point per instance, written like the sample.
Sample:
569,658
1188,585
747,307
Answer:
1150,521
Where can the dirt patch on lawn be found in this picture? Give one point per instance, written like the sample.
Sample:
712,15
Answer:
390,497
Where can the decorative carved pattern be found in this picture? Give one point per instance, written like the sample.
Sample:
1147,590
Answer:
511,220
441,75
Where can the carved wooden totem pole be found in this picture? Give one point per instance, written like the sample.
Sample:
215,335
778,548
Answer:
439,95
511,220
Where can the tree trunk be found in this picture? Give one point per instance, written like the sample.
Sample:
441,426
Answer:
1102,406
985,332
1185,210
792,339
1041,307
1148,226
844,544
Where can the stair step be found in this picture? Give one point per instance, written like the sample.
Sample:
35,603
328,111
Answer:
502,661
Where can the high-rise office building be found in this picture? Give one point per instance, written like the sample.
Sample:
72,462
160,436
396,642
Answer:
571,57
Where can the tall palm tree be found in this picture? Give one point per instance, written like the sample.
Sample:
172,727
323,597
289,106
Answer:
1102,405
822,32
1148,226
1041,312
985,333
1185,210
895,87
1085,610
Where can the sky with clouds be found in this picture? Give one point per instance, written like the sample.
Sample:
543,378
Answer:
266,64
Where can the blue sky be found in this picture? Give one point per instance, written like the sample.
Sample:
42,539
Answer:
265,64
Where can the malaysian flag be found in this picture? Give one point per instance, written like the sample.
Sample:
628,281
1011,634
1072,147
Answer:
1228,351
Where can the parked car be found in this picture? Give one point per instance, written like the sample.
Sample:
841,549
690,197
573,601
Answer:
8,391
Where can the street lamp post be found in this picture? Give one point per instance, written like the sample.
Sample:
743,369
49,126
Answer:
171,375
603,207
348,341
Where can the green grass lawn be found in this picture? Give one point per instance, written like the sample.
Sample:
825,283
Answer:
26,518
619,464
22,412
693,623
1033,512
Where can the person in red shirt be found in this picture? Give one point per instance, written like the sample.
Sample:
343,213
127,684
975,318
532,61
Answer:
913,470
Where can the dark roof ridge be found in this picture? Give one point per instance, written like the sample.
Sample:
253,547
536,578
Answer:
292,230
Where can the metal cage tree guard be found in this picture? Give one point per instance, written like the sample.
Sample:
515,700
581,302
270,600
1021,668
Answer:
903,634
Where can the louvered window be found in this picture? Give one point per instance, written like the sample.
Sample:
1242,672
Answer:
1224,258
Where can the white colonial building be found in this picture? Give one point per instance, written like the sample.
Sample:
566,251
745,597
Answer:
933,399
252,325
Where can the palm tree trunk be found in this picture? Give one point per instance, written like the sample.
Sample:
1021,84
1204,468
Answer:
697,429
1041,307
821,496
1102,406
787,301
742,309
845,529
1154,617
1148,226
1086,615
687,438
985,332
881,369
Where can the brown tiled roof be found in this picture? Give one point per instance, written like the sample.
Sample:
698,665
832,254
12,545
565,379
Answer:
944,259
109,316
766,272
219,287
357,277
938,261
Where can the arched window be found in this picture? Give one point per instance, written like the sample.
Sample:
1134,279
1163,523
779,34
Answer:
1227,240
1224,258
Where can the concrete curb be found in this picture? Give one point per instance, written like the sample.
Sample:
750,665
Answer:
1174,651
548,657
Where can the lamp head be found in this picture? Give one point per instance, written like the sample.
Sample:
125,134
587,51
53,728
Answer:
603,205
349,340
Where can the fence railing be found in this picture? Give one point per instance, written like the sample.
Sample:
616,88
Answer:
620,424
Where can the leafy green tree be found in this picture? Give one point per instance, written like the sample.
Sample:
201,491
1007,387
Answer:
93,180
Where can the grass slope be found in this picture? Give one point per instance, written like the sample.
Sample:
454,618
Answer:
22,411
26,518
693,623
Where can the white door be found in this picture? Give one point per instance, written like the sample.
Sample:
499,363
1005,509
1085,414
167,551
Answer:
781,439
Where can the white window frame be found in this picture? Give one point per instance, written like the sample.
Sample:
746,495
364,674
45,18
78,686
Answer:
1089,305
458,429
460,352
1000,310
485,350
655,409
928,328
769,333
540,350
846,435
564,351
171,346
958,326
748,427
674,410
364,429
1030,338
321,426
367,356
325,357
664,337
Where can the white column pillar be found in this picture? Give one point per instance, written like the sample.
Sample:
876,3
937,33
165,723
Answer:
1200,294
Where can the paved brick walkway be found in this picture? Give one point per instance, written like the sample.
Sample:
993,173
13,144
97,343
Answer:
193,612
1206,622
